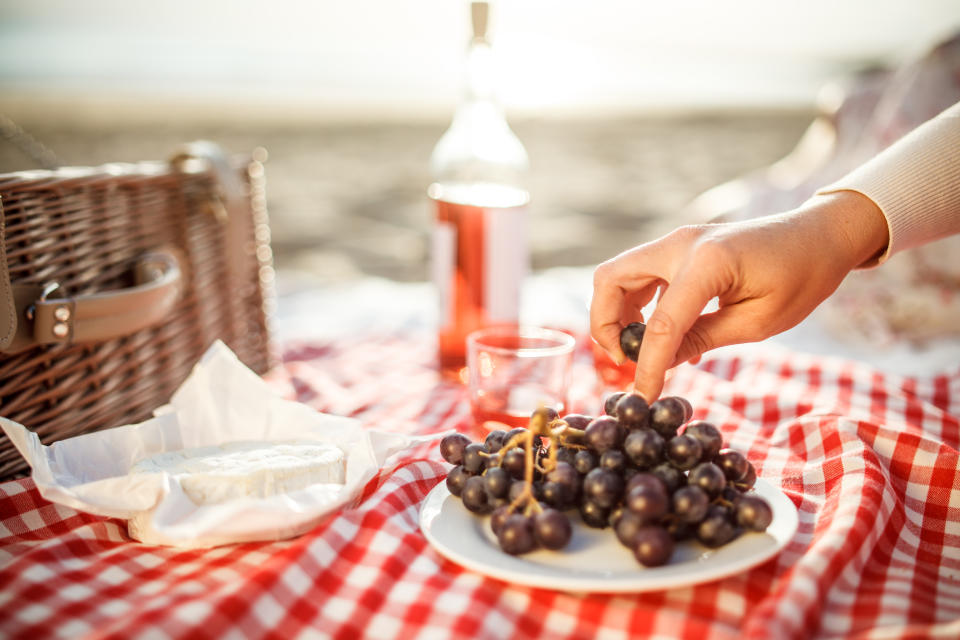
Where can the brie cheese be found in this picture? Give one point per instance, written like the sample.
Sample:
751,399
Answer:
216,474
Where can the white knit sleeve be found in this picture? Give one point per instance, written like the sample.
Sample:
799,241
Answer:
915,182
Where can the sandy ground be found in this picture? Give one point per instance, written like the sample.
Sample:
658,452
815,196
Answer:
348,200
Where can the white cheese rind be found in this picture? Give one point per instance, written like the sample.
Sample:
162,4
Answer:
216,474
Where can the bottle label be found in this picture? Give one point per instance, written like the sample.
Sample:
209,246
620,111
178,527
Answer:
505,262
442,267
480,260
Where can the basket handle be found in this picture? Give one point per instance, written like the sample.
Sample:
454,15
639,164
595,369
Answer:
45,319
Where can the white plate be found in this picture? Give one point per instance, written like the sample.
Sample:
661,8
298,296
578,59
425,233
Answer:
594,560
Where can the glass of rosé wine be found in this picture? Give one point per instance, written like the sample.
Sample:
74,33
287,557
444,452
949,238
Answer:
513,370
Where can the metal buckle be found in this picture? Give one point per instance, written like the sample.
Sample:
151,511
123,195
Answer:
48,288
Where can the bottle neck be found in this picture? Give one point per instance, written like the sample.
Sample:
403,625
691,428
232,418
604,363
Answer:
479,148
479,74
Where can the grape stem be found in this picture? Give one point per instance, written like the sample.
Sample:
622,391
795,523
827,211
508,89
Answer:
567,436
558,433
538,427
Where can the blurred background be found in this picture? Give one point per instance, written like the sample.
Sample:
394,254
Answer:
629,110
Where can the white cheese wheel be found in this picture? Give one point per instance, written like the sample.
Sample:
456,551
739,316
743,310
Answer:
216,474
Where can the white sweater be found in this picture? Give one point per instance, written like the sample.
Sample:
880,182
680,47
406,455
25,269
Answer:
915,182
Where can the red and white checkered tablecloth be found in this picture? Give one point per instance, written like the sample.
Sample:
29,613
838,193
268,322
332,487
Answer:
870,460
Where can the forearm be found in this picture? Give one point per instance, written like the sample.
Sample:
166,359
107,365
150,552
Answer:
915,183
849,223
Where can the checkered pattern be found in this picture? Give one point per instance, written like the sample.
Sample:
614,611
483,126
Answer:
870,460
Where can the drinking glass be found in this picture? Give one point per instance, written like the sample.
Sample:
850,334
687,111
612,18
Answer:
514,370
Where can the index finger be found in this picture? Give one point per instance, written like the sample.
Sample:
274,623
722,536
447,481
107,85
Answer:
636,272
679,307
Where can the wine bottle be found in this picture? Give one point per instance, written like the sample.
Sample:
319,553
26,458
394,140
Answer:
479,253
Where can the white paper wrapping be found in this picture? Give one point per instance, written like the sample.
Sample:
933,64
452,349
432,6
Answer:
221,401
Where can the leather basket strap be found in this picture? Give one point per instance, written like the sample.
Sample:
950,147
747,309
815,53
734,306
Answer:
46,319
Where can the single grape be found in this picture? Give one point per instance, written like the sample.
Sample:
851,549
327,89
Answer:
626,527
516,535
732,463
690,504
451,447
715,530
514,462
610,403
633,411
650,502
672,477
748,480
497,482
562,487
577,420
555,495
614,460
552,529
603,487
666,416
646,479
473,459
566,455
456,479
498,517
754,513
585,461
474,495
652,546
630,338
565,475
709,437
495,440
687,408
644,447
708,477
684,452
593,515
605,433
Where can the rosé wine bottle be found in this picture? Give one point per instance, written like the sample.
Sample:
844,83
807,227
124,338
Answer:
479,254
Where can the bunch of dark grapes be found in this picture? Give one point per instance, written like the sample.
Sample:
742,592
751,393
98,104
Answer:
646,472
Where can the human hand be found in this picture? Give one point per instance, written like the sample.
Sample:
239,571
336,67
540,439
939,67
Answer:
768,274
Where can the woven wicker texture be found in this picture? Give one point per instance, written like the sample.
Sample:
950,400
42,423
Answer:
83,228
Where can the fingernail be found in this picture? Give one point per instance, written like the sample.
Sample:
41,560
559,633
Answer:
617,359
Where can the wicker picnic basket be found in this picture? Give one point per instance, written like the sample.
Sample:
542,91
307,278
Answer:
114,280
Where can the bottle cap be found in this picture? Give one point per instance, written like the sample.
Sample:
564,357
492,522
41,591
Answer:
479,11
